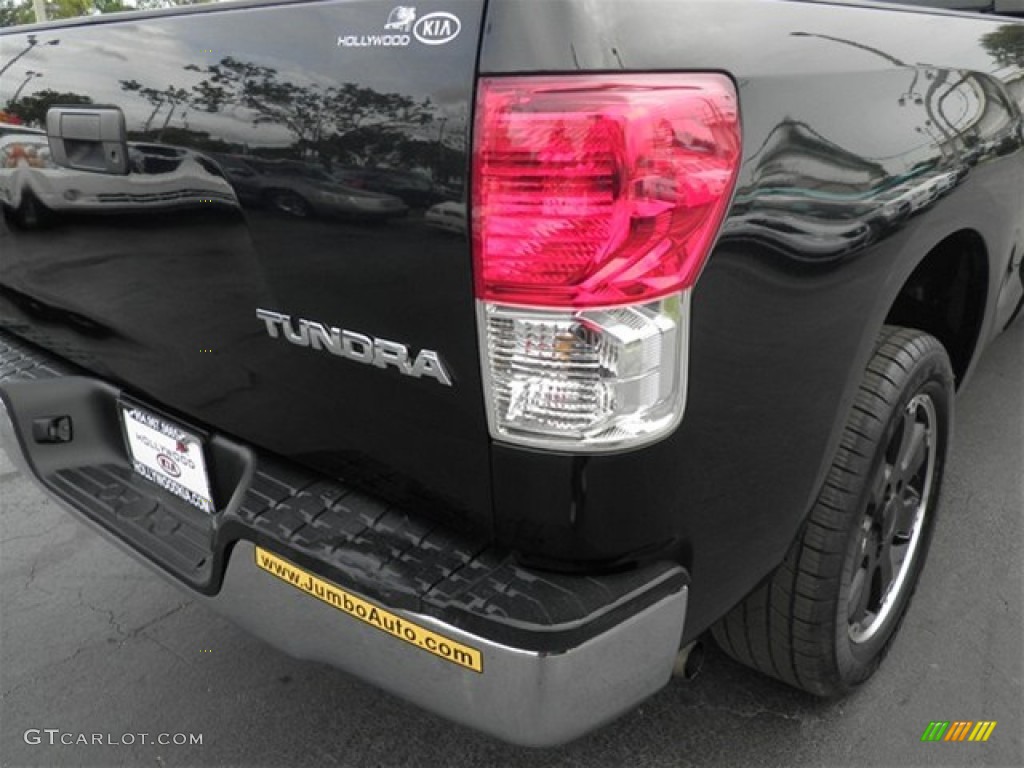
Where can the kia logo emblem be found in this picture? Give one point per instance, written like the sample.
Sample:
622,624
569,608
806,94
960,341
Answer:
437,28
168,465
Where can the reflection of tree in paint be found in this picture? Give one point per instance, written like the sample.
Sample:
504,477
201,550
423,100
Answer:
169,97
312,113
1006,45
31,110
347,124
14,12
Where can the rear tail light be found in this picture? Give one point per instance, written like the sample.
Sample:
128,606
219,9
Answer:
596,200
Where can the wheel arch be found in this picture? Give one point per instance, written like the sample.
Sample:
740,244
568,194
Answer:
946,295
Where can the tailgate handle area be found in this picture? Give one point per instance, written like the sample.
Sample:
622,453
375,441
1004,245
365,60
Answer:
88,138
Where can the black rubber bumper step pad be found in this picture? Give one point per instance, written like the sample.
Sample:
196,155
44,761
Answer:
387,554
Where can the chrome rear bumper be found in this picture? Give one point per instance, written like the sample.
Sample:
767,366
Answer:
583,673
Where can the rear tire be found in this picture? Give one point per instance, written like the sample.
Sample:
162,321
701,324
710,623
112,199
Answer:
824,620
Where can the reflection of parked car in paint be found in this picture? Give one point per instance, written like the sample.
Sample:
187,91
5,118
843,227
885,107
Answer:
33,186
303,189
801,237
415,190
242,177
912,196
20,148
449,216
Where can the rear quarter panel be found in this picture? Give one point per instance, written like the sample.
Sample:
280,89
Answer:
870,135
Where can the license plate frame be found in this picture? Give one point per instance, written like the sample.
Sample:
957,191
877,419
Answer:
167,454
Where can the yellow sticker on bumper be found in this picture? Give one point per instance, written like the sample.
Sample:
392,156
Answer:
368,613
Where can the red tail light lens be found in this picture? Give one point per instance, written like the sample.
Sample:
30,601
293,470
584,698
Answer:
599,190
596,199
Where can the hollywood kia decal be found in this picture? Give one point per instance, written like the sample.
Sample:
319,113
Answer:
402,26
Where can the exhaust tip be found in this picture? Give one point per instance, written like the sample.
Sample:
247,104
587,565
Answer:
689,661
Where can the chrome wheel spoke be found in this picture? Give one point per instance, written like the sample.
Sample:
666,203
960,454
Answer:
898,496
914,454
884,569
897,553
880,489
905,511
860,594
906,438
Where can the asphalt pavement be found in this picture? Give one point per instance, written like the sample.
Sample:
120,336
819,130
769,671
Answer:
93,643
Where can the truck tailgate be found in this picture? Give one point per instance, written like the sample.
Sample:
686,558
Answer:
274,244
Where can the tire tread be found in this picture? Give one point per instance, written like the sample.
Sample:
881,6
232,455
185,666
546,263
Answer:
785,626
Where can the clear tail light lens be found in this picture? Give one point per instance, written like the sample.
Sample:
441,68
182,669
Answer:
596,199
591,379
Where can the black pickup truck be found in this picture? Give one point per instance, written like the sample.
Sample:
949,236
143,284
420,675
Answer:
497,352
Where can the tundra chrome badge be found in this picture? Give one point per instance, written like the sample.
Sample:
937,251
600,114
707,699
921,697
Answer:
355,346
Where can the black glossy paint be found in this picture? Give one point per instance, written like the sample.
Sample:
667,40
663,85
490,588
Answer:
870,136
257,143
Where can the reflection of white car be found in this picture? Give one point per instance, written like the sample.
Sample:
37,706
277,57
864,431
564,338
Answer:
802,237
916,195
21,148
160,178
449,216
